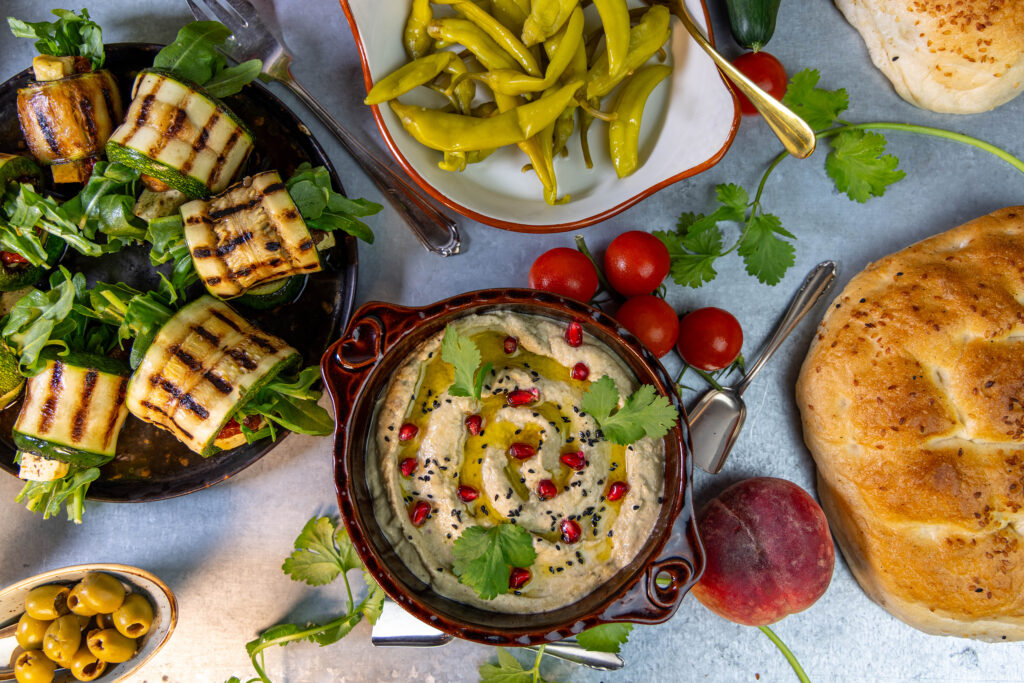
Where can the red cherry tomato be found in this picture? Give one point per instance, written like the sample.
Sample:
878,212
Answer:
9,258
636,262
652,320
709,338
766,72
564,271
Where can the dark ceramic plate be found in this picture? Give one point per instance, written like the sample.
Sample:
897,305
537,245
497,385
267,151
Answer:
151,464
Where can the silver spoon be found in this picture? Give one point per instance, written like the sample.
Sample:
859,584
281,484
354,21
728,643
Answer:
716,420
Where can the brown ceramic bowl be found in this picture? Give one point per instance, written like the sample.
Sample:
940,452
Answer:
357,369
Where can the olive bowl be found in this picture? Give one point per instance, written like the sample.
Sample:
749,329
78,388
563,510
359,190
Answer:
357,369
134,579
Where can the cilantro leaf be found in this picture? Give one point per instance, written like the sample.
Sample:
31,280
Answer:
605,638
820,108
766,256
859,166
733,197
459,351
322,551
507,670
373,604
484,557
336,631
644,413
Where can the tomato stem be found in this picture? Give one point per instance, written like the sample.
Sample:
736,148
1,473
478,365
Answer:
581,246
787,653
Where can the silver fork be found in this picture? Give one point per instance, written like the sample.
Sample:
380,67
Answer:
253,38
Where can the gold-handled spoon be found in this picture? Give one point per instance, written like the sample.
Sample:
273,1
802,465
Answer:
793,131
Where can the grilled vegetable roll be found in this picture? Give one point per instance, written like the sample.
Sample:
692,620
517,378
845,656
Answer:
66,121
250,234
71,416
179,136
18,169
201,368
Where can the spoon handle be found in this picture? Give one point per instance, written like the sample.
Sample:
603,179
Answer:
815,285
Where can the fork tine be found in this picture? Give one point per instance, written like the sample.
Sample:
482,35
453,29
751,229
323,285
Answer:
245,9
225,15
198,12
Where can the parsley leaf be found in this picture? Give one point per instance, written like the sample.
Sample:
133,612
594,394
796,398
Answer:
820,108
859,166
322,551
766,256
605,638
484,557
644,413
459,351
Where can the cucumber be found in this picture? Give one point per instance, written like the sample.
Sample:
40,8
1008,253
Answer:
752,21
271,294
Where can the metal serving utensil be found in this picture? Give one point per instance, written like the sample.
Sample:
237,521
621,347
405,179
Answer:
397,628
716,420
252,38
797,137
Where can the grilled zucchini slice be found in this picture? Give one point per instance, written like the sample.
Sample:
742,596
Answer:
178,134
249,235
66,122
19,169
73,410
201,368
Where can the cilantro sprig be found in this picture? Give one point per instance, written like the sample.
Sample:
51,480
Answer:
857,163
323,552
459,351
644,413
603,638
484,557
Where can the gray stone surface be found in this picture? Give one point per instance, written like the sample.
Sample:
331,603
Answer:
221,549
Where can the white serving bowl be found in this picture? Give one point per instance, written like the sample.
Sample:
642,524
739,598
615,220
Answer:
135,580
687,127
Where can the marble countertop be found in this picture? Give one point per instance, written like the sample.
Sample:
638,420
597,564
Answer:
221,549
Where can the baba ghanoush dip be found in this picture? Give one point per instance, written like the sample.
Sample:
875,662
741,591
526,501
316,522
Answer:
524,453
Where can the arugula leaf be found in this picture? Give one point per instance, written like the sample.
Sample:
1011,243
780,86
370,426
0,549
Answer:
459,351
322,551
167,237
643,414
138,316
48,496
766,256
27,211
818,107
71,35
194,56
483,557
859,166
106,203
42,319
324,209
292,404
605,638
507,670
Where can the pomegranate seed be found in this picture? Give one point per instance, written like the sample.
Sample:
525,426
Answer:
419,512
511,344
522,397
571,531
467,493
518,577
522,451
580,371
574,334
407,431
574,461
408,466
473,424
617,490
546,489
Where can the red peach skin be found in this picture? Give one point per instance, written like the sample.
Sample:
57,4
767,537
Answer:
769,551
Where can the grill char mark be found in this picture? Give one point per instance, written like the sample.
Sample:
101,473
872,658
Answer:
160,411
122,392
82,412
242,358
226,320
44,127
208,336
49,408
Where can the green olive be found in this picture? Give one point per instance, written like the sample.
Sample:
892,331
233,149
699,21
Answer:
85,666
83,622
62,638
30,632
76,605
104,621
32,666
47,602
134,618
100,592
110,646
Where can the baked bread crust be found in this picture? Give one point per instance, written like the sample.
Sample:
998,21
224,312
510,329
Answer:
911,400
959,57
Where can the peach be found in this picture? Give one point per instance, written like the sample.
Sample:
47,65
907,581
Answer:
769,551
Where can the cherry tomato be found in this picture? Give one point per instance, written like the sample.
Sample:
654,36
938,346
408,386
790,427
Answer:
767,73
652,320
709,338
9,258
564,271
636,262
